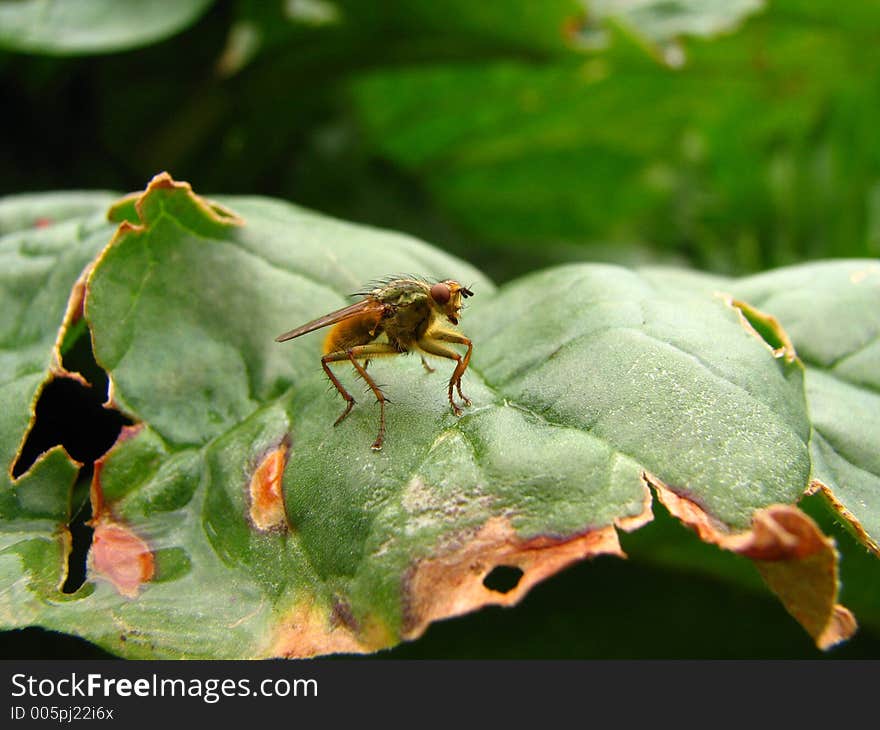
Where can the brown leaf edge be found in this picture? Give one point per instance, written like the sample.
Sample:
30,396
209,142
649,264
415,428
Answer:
72,314
132,215
764,326
117,553
130,208
123,211
451,583
840,509
796,560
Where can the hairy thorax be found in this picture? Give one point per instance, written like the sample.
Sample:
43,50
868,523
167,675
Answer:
407,325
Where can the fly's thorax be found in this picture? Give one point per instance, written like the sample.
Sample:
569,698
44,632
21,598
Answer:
408,324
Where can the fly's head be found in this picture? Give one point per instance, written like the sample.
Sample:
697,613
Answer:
445,297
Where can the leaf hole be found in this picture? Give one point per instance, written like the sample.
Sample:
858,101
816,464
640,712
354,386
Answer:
765,328
77,356
71,412
503,578
80,533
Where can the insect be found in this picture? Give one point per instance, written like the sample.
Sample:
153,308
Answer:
396,316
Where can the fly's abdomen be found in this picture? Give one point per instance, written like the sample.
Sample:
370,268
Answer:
352,332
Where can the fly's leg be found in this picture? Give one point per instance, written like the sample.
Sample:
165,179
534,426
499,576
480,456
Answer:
426,366
432,347
352,354
349,400
435,348
462,362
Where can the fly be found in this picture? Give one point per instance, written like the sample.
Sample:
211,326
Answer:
410,313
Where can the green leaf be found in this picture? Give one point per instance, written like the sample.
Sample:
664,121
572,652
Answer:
830,312
46,245
657,385
92,26
43,210
232,520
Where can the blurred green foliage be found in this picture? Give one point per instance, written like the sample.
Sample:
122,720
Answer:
516,134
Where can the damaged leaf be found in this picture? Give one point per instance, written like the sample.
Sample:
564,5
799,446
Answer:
832,314
827,314
231,519
795,559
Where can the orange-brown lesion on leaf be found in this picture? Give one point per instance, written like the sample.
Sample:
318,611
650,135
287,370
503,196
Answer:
449,583
122,557
452,582
118,554
309,629
797,561
265,493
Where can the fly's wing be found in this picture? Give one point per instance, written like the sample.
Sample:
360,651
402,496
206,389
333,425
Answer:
365,306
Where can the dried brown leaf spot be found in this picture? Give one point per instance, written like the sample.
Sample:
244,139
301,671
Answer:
310,630
118,554
122,557
451,582
797,561
265,493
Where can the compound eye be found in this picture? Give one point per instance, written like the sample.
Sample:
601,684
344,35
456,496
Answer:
440,293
